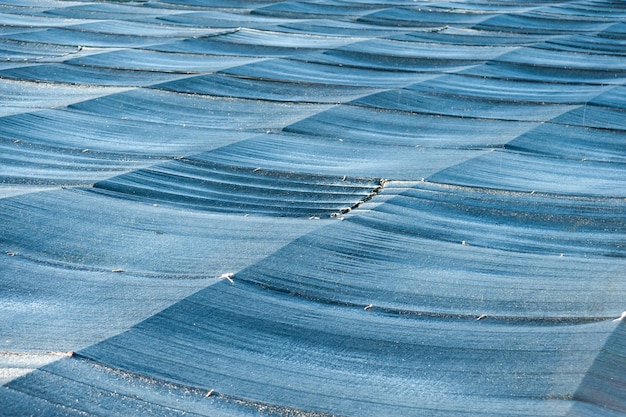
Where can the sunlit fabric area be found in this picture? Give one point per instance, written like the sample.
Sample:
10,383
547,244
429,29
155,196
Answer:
357,208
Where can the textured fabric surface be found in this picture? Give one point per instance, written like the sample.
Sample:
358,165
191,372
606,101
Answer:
313,208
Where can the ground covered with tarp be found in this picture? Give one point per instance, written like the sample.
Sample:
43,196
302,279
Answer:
313,208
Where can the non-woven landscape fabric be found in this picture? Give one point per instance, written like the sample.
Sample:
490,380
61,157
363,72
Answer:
357,208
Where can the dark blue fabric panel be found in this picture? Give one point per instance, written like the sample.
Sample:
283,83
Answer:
404,128
350,157
201,184
324,74
220,85
68,74
159,62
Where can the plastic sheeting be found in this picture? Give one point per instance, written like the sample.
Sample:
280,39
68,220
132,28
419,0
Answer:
353,208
